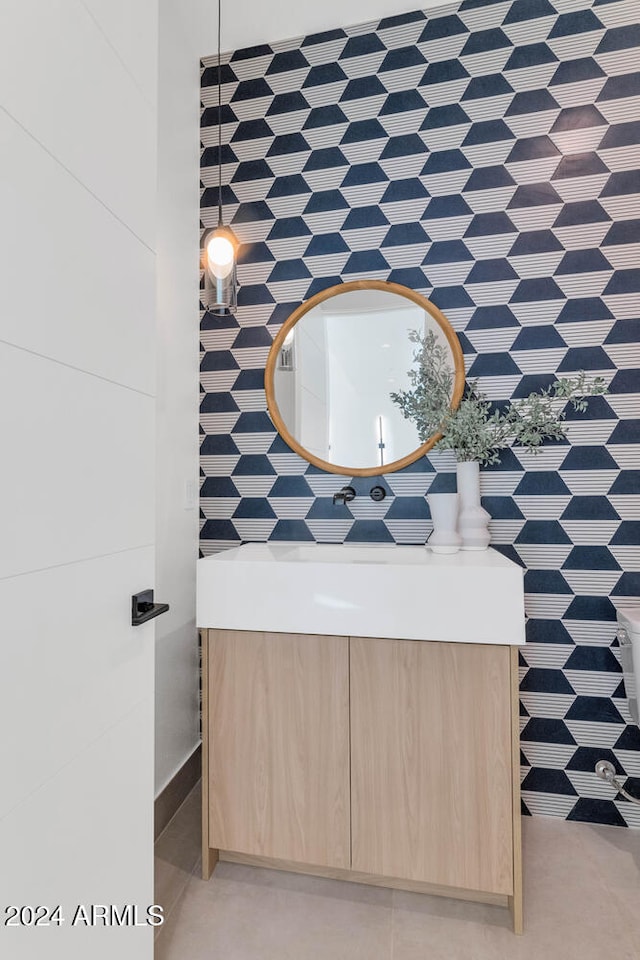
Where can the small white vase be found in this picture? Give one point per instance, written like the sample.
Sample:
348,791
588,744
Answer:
444,513
473,519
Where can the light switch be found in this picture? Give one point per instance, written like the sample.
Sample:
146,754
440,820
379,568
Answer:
190,494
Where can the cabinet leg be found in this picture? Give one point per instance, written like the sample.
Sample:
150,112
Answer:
209,860
515,908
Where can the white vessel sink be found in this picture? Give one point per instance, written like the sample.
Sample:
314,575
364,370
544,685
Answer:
377,590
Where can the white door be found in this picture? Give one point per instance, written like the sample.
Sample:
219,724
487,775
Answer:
77,328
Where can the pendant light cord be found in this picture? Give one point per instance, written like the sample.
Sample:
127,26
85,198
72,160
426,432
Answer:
219,121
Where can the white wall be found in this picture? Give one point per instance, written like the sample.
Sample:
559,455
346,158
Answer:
257,21
183,28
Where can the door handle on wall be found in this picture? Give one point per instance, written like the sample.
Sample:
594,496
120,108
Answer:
143,608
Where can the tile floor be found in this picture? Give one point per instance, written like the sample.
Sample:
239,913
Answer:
582,901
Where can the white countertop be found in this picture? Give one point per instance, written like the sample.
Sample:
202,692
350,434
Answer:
372,590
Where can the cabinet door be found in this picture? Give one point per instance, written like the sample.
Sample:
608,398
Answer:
431,762
279,746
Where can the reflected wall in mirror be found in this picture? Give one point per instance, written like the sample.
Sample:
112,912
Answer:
332,369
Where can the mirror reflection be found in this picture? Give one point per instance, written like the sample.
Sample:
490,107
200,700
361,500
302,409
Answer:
334,366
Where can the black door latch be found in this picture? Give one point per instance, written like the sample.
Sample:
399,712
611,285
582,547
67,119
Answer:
143,608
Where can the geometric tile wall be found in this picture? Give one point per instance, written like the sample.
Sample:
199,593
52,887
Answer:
486,154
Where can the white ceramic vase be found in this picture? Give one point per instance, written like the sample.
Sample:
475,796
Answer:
444,513
473,519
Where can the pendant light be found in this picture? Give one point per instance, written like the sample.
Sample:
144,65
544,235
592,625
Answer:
220,244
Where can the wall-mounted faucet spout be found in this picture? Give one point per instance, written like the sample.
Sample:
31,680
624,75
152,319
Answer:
346,495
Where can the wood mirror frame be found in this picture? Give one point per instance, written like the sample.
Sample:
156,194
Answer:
386,287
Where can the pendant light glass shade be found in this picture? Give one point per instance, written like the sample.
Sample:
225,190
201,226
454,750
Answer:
220,246
220,283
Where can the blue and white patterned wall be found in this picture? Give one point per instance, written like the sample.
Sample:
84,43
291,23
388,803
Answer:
486,154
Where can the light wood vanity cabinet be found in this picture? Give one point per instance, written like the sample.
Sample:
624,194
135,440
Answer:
278,746
394,762
431,762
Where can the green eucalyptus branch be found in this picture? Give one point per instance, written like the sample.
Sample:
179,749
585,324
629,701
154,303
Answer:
476,430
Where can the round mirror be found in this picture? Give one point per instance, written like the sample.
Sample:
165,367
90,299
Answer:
334,365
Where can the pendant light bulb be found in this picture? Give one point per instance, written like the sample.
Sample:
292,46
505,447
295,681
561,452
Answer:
220,256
